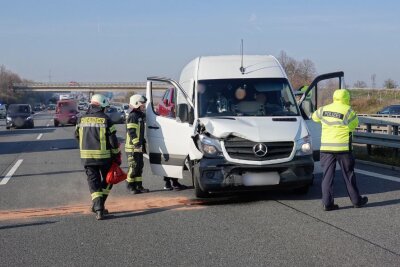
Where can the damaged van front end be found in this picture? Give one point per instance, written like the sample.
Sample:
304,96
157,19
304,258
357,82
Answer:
237,155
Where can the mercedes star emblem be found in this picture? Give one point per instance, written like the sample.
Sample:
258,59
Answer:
260,150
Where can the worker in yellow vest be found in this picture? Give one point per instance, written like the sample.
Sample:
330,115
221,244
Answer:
135,144
338,123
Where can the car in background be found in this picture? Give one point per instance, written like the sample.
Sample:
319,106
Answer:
37,107
19,116
3,111
66,113
115,115
390,110
83,106
51,107
166,107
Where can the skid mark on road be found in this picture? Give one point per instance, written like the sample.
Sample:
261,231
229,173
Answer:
137,204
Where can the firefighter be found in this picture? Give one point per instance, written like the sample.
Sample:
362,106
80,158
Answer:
338,122
98,145
135,144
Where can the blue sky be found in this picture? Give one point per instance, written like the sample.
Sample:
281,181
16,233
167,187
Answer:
122,41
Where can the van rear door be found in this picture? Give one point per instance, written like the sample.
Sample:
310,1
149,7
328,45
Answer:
319,93
168,135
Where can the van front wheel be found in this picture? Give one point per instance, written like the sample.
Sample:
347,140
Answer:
197,190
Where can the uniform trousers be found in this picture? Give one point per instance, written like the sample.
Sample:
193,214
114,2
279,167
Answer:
98,187
346,162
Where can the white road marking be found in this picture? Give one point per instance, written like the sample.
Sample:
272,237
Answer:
11,172
39,136
377,175
47,125
318,169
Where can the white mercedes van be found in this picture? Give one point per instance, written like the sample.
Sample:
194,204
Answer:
236,126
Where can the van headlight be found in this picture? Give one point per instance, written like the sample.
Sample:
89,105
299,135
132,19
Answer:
29,118
210,146
9,118
304,146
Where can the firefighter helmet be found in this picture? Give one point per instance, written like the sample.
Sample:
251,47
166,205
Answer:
99,100
137,100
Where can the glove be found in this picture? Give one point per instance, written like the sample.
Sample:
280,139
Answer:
118,159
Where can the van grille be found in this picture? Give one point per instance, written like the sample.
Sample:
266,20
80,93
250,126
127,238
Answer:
239,148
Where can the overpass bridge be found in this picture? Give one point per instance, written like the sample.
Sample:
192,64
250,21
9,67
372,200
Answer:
85,87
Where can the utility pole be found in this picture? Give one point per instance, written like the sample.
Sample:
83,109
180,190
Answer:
373,78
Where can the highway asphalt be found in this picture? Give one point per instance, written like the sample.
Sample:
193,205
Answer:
45,218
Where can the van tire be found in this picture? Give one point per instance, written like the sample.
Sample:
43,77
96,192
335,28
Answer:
55,123
301,190
199,193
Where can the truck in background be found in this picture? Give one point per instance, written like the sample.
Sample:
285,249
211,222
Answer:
237,127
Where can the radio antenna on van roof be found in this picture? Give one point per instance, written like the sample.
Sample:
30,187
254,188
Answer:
242,69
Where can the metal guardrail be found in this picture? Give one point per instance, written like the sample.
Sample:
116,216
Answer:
388,126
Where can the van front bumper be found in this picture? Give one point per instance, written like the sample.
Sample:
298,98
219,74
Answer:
220,175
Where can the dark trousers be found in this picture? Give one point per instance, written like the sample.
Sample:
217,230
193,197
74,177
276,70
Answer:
169,180
346,162
135,170
98,187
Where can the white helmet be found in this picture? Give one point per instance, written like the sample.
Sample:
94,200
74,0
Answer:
137,100
99,100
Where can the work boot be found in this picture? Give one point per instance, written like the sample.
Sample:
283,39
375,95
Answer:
105,211
363,201
168,185
178,187
331,207
131,186
140,189
99,215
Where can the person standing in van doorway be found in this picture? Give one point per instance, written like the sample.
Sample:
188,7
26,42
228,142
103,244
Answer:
98,147
135,144
338,123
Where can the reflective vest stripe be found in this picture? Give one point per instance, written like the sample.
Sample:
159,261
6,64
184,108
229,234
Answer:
103,146
335,144
112,129
96,195
95,154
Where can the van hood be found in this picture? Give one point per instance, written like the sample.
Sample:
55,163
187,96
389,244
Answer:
256,129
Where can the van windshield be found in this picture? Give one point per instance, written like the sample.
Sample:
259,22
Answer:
246,97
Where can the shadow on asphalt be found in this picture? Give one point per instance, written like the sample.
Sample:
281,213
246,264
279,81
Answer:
37,146
26,225
36,130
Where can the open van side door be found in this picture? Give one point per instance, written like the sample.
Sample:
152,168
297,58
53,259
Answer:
168,135
319,93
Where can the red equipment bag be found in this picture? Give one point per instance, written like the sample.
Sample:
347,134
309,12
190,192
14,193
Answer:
115,174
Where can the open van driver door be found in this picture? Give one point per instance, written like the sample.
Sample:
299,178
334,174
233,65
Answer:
167,134
319,93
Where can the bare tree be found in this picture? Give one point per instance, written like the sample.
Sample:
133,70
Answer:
389,84
299,72
360,84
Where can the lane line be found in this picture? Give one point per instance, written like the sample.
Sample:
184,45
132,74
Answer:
39,136
47,125
378,175
11,172
318,169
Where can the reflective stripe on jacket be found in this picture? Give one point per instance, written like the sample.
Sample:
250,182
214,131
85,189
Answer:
97,138
135,131
338,122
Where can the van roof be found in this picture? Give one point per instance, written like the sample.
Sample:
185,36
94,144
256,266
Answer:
225,67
